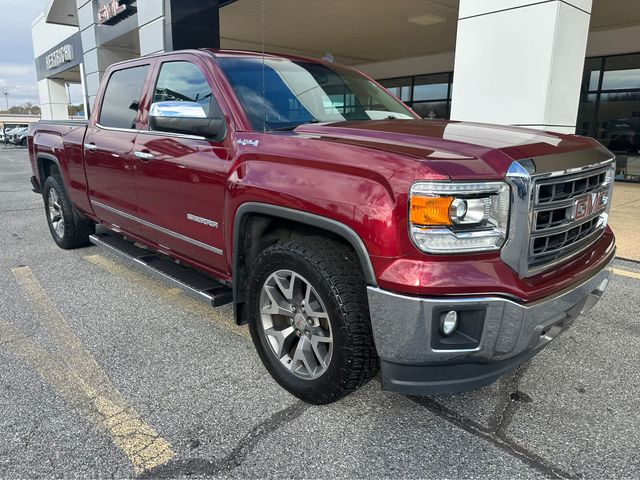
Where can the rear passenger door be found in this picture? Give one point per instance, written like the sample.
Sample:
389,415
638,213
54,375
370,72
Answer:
109,146
181,178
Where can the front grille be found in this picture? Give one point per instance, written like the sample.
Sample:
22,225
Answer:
569,214
564,189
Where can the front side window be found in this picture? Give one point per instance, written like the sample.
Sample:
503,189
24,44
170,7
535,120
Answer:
183,82
282,94
122,97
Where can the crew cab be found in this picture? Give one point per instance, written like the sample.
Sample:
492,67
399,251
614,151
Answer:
350,234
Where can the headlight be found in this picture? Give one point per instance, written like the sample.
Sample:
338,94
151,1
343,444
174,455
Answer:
459,217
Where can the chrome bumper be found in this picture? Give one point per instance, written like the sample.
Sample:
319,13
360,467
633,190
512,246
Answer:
500,334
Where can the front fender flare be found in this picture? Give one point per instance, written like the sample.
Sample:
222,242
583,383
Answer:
310,219
305,218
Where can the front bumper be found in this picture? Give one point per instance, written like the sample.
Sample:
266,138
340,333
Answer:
494,335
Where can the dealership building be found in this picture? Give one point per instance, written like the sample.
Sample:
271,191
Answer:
559,65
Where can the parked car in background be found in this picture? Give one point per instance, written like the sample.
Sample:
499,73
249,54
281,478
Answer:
349,233
16,135
8,132
19,136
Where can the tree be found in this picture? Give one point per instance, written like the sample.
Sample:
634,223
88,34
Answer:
26,109
75,110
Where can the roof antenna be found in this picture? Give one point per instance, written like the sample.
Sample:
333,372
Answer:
329,58
264,98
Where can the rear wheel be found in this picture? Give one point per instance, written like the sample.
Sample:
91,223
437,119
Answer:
309,319
67,228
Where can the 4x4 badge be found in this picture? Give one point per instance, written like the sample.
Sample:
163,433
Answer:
246,141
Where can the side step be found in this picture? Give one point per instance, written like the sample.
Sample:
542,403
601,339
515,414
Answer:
194,283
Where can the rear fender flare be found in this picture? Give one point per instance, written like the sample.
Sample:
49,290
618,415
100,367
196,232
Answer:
40,158
49,158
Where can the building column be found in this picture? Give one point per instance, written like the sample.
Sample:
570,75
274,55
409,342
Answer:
92,72
520,62
151,26
53,99
96,58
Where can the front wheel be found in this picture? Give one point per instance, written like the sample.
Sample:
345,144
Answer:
309,318
67,228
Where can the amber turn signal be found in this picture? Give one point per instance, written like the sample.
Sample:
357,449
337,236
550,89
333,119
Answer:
431,210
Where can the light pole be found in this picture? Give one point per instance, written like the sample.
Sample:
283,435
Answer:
6,98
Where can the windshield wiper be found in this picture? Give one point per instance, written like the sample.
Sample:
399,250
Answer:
288,128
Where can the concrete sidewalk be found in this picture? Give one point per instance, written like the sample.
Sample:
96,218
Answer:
625,219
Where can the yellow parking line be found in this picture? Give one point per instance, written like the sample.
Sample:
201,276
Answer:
626,273
222,316
78,377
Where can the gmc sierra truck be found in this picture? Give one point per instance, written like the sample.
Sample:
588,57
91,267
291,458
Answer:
350,234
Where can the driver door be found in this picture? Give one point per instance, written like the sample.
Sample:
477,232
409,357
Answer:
180,178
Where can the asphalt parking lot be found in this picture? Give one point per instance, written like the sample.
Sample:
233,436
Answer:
105,372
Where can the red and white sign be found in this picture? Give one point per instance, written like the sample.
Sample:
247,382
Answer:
109,11
589,204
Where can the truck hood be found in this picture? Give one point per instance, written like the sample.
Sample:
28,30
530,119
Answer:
460,149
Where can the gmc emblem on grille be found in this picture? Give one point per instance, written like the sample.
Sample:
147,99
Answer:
589,204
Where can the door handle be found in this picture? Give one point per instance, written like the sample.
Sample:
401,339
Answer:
144,156
90,146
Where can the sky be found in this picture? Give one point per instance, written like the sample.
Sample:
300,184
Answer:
17,67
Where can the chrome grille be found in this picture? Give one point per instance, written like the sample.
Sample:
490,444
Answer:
563,189
569,213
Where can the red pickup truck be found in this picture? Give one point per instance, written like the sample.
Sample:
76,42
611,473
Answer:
350,234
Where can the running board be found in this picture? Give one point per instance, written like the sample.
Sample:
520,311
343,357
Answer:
194,283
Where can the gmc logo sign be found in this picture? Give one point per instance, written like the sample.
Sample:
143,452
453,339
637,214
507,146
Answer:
115,11
589,204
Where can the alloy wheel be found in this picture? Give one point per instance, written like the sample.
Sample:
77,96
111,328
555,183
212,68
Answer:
55,213
296,324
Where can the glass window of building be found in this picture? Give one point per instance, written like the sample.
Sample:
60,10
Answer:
400,87
610,109
621,72
591,76
428,95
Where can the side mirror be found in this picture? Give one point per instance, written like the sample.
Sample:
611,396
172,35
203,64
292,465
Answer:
188,118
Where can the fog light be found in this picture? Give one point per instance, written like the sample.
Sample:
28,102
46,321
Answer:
449,323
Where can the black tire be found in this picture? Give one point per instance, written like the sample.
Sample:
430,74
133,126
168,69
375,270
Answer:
75,231
332,269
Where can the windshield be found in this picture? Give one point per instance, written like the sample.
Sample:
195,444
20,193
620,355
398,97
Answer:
289,93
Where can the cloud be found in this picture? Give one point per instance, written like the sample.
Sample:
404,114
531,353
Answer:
19,80
17,65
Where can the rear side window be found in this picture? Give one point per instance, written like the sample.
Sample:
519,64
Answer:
185,82
122,97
